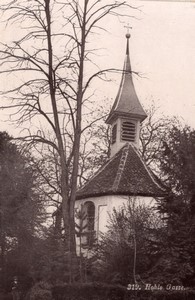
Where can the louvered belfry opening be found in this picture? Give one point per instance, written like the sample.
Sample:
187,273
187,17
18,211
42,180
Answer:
128,133
127,111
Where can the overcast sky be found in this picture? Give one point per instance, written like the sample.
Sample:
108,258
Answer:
162,50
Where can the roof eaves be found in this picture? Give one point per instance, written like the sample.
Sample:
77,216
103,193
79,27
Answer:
120,193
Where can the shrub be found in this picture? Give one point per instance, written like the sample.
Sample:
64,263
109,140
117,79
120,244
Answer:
5,296
89,291
40,291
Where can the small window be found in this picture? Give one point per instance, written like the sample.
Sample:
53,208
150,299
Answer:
114,128
90,216
128,131
88,234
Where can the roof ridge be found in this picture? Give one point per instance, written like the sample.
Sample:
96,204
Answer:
150,173
121,167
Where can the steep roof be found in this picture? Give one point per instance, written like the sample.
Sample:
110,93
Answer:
126,102
124,174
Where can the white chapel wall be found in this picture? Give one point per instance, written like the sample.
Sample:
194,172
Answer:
104,206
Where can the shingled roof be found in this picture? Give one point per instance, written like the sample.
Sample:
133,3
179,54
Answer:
124,174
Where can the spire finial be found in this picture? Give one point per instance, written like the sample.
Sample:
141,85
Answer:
128,37
128,33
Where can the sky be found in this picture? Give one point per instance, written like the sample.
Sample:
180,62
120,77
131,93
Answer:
162,50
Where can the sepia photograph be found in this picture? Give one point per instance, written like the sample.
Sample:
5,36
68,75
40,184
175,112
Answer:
97,150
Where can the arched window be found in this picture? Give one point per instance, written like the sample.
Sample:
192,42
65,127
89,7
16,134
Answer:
89,224
90,215
114,129
128,131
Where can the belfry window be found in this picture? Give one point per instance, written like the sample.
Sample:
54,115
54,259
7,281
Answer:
114,129
128,131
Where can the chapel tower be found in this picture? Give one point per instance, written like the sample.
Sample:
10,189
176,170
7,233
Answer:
127,113
124,176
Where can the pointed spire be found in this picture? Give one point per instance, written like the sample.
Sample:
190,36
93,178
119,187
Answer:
126,103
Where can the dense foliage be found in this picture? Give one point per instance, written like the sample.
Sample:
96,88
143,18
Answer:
128,249
136,246
178,168
178,163
21,212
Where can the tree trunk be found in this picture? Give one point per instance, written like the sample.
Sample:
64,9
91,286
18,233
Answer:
77,134
67,209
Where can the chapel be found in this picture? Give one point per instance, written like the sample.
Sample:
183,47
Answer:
124,175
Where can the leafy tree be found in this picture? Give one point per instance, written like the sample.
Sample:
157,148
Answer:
128,249
178,169
178,163
50,262
21,210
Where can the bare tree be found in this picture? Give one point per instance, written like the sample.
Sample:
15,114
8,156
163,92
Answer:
153,132
49,86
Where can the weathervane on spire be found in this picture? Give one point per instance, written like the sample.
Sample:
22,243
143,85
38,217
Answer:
128,33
